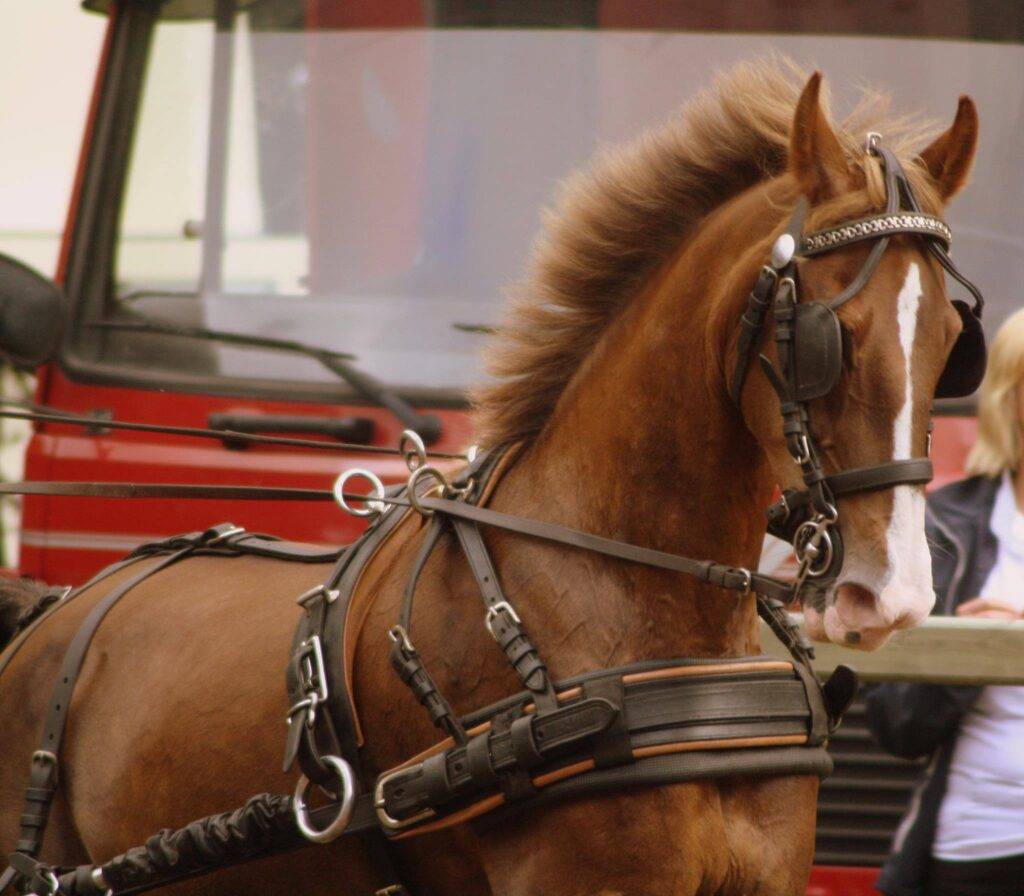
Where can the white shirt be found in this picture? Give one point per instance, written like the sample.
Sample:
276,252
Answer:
982,815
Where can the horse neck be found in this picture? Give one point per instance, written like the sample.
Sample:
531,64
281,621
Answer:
644,446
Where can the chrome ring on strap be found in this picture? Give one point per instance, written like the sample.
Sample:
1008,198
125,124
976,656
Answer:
817,538
412,449
424,472
373,503
346,795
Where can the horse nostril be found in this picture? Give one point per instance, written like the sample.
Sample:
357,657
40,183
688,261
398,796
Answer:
856,606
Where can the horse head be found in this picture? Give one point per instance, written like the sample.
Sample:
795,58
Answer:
893,353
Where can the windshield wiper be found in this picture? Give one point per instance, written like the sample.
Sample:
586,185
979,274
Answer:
368,387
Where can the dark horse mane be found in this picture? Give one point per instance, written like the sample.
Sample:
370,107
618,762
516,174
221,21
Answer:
615,223
16,596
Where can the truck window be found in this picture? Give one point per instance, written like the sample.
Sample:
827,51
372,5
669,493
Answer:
297,172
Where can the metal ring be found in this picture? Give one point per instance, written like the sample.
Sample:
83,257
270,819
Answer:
399,635
801,543
374,505
871,141
417,475
347,792
416,455
314,701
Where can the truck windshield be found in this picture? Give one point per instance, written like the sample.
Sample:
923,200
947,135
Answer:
303,171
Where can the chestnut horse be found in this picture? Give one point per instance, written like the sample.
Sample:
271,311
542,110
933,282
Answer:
611,372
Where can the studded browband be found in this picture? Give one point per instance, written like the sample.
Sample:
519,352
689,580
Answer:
873,227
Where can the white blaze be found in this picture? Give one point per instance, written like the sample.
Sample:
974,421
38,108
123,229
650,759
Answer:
909,581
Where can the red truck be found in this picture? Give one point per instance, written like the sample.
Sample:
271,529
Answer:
297,217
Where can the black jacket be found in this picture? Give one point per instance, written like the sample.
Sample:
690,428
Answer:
913,720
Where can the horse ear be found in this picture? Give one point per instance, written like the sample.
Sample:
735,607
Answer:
949,158
816,158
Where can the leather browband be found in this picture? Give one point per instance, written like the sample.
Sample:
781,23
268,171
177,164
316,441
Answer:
873,227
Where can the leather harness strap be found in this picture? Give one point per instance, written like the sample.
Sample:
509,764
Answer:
722,575
787,514
44,767
501,620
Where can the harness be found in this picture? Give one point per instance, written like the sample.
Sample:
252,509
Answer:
644,724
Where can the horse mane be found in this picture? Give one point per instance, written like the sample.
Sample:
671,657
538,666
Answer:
616,222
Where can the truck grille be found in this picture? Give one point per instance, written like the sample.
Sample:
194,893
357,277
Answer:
862,802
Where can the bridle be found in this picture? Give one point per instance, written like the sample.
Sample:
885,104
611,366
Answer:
809,342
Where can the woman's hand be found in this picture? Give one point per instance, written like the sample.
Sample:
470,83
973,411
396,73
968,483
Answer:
984,608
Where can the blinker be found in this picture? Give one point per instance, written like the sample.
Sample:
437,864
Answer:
965,365
818,350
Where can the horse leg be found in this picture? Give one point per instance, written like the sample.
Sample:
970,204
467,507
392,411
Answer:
722,839
662,841
770,834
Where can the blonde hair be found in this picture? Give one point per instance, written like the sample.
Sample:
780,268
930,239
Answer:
998,445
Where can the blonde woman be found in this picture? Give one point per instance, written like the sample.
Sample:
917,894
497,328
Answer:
964,833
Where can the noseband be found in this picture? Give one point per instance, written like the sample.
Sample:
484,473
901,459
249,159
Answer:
810,349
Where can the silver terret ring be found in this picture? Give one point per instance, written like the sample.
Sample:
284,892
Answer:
373,505
347,797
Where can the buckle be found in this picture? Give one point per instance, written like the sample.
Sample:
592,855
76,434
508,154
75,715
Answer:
307,597
313,679
216,534
380,806
48,759
492,614
400,638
